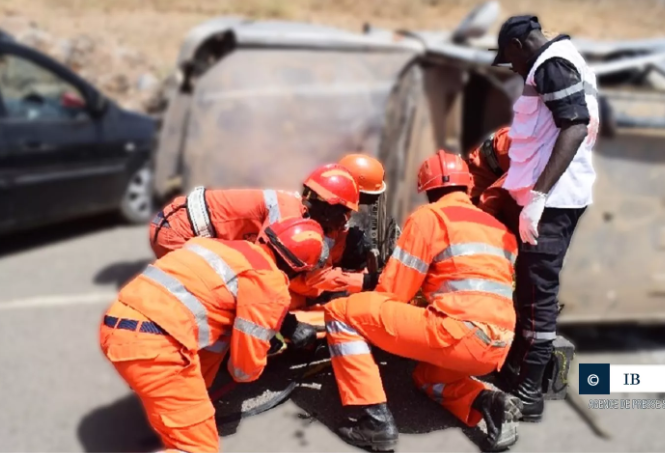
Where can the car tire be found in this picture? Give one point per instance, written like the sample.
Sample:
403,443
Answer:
137,201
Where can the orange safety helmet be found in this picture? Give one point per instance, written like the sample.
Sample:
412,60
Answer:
334,184
443,170
300,242
368,172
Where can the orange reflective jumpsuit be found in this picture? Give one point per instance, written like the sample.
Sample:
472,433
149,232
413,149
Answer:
462,259
231,214
488,162
219,295
330,278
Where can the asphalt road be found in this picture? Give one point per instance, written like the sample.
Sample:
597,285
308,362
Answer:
57,392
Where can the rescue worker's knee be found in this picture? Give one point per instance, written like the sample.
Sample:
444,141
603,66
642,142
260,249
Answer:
192,429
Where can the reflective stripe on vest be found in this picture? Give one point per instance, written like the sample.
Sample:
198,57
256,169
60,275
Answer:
221,267
188,300
410,261
476,284
197,211
272,206
474,248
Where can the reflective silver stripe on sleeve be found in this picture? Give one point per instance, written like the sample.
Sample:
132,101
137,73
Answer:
340,327
349,348
474,248
218,347
473,284
238,374
410,261
221,268
186,298
198,212
253,330
542,336
564,93
484,338
590,90
272,206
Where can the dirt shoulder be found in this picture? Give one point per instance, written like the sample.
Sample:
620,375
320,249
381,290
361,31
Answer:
149,32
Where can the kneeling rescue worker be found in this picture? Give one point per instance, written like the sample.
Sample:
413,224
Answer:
462,260
239,214
207,292
345,272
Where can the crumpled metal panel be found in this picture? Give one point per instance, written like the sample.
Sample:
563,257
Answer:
267,117
615,267
273,33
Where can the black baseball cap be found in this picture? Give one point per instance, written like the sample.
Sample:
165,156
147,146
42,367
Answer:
515,27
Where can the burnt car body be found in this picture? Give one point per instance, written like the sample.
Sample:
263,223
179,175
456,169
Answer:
263,103
66,151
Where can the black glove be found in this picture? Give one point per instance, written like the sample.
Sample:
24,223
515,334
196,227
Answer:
356,247
299,334
275,346
370,280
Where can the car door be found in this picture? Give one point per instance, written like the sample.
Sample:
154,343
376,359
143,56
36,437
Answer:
50,138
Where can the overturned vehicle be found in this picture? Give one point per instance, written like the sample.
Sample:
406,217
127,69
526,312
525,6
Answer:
261,103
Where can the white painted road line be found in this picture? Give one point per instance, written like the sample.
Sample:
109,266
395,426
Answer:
59,301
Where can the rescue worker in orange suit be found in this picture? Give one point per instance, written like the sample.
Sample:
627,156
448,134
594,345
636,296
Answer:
488,164
349,247
208,292
462,260
239,214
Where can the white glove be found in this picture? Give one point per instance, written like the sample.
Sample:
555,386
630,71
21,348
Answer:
530,217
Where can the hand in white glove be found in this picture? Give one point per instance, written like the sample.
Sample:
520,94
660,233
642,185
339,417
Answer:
530,217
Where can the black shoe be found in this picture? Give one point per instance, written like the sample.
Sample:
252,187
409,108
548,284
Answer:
529,390
375,429
501,412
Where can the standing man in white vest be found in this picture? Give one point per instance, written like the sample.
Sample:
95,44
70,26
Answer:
551,176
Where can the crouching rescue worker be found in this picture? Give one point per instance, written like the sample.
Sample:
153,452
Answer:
462,260
349,246
208,292
347,270
239,214
488,164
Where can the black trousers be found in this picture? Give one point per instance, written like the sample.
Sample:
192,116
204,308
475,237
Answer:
537,285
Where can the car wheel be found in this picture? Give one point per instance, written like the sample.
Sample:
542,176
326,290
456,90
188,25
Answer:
137,204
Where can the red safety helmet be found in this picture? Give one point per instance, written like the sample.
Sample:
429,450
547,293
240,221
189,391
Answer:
334,184
443,169
300,242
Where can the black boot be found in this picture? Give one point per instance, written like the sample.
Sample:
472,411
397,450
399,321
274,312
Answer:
529,390
375,429
501,412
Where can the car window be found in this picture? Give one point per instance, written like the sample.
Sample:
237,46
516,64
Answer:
32,92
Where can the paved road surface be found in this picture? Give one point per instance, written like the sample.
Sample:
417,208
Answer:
57,393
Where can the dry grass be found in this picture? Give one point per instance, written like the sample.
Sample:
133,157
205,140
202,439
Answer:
156,27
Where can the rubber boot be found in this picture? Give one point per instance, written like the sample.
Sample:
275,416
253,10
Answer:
501,412
374,429
529,390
